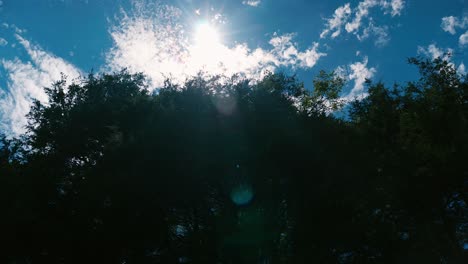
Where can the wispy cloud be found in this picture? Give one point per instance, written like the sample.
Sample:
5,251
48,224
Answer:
253,3
335,23
359,72
394,7
461,69
463,40
3,42
358,20
360,13
450,24
151,39
380,34
356,74
434,52
154,40
286,53
26,81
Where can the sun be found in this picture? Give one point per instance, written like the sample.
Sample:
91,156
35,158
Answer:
207,48
206,35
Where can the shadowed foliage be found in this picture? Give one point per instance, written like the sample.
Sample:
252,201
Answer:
220,170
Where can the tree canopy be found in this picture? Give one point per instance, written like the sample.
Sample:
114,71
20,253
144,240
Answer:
236,171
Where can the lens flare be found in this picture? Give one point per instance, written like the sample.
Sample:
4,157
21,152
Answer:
242,194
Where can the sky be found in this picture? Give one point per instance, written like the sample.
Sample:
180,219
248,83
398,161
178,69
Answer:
40,39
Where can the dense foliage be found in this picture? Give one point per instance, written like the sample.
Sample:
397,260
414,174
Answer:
238,172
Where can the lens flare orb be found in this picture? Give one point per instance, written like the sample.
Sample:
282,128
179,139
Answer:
242,194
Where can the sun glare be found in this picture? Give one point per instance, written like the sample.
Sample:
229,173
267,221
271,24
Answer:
206,35
207,47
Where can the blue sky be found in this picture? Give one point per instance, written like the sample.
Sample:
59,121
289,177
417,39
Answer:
359,39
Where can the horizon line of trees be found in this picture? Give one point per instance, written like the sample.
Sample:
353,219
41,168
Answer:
240,172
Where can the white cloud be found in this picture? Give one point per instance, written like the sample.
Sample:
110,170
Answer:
450,24
461,69
358,21
336,22
397,6
285,53
341,72
463,40
154,41
253,3
25,81
16,29
361,12
434,52
382,37
151,39
359,72
380,33
3,42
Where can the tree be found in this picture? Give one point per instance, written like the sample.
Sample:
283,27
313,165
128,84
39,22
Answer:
234,171
420,134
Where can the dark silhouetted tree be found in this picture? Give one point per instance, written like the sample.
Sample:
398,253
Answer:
228,170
